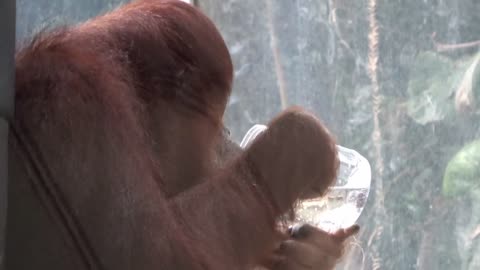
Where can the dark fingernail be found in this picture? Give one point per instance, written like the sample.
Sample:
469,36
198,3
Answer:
294,230
300,231
289,230
355,228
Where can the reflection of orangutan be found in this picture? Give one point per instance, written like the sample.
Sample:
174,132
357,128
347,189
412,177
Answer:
119,161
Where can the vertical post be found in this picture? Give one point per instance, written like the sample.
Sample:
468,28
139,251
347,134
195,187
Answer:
7,49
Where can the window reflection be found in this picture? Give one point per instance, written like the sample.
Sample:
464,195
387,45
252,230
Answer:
424,211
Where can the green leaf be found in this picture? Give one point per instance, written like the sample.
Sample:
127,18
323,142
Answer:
433,81
462,174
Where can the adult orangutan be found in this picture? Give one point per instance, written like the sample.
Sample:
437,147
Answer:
118,159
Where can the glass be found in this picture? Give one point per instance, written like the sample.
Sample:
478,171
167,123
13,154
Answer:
341,206
36,15
395,80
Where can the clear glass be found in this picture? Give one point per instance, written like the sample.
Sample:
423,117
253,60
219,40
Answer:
341,206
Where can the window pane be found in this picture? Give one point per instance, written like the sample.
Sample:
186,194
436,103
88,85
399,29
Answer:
36,15
424,209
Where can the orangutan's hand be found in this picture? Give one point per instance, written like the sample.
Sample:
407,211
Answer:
311,248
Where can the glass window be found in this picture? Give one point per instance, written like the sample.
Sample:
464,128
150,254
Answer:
398,81
37,15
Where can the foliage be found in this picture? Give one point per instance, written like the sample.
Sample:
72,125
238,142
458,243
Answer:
439,84
431,88
463,171
468,90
